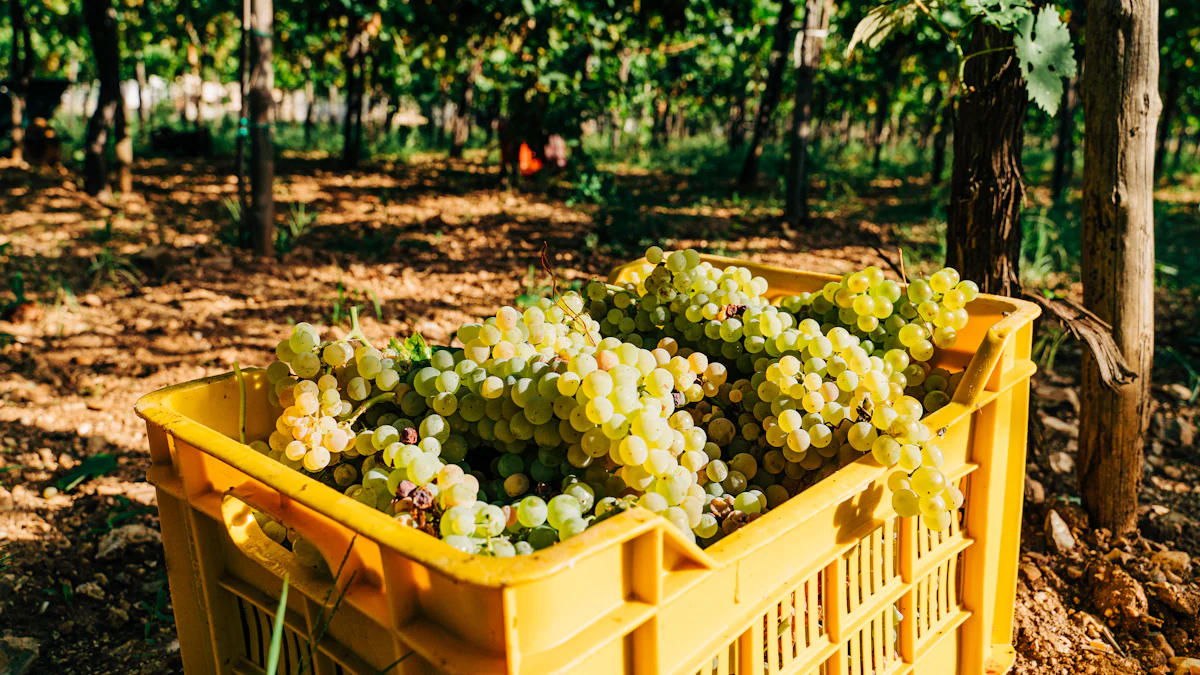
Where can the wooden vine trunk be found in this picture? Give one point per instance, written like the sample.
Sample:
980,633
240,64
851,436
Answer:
987,191
1121,109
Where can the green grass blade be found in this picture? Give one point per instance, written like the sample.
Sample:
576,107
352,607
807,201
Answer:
277,631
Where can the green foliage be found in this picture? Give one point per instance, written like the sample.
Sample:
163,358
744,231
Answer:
880,23
1042,41
92,467
1046,58
414,348
298,222
1004,14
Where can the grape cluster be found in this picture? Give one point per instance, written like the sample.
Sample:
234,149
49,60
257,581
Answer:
685,392
920,319
824,377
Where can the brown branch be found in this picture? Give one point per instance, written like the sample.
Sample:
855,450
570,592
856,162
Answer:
544,258
1095,333
895,268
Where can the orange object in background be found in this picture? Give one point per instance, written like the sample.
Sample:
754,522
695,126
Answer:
530,164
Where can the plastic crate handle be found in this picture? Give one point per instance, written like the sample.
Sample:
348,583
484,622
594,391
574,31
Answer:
335,543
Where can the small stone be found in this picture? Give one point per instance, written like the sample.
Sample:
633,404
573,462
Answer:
1031,572
1180,430
1175,561
6,500
92,300
1173,472
123,536
1035,492
1058,535
1062,463
1184,666
1179,391
1119,597
1074,572
117,616
91,589
1160,643
1118,556
17,654
1071,429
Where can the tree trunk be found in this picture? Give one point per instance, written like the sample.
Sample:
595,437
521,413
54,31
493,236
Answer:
816,25
1064,142
20,68
261,215
737,119
101,21
243,131
352,127
780,50
1177,157
143,113
310,98
1120,112
124,149
462,112
1170,106
882,115
983,228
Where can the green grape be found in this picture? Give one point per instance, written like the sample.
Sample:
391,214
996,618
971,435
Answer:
532,511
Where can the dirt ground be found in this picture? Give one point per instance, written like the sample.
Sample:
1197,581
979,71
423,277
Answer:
123,299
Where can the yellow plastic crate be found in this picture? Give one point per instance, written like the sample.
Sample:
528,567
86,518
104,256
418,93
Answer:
808,588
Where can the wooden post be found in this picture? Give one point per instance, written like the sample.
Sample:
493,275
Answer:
101,21
262,145
1120,112
782,42
810,42
20,68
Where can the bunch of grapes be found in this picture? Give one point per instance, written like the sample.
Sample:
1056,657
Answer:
318,385
924,317
828,376
684,392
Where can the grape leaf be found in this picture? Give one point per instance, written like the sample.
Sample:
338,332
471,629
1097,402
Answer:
1000,13
414,349
1046,58
880,22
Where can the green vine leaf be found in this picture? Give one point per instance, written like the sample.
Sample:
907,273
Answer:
1046,57
879,24
1000,13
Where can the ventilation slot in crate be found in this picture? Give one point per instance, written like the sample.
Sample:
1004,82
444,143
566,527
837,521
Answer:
871,566
937,597
872,650
256,628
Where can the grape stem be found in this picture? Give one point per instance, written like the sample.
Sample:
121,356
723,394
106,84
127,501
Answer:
382,398
355,330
